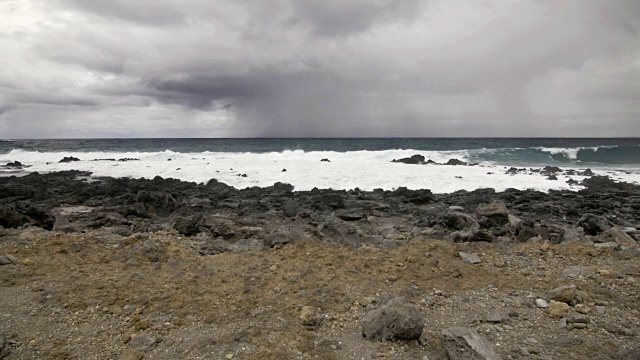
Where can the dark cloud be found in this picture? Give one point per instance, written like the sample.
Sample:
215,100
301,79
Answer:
336,17
322,68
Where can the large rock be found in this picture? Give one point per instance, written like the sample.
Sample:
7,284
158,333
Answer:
186,226
9,218
68,159
593,224
455,162
415,159
454,220
565,294
496,212
464,343
618,236
394,320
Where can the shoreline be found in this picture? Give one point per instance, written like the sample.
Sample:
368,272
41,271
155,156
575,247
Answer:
158,268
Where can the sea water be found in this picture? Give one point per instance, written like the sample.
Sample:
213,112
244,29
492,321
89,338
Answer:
353,163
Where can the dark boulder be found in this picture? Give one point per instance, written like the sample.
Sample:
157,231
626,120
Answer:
325,160
68,159
10,218
415,159
593,224
455,162
14,164
332,200
186,226
495,212
453,220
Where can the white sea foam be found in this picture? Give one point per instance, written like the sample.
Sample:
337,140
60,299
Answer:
572,153
366,170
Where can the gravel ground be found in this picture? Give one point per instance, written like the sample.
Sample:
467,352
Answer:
98,295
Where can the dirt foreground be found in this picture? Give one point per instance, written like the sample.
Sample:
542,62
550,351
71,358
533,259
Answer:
98,295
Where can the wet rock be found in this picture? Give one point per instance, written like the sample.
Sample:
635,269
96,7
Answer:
455,162
415,160
325,160
394,320
14,164
68,159
464,343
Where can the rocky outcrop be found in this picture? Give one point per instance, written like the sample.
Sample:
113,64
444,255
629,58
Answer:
68,159
217,211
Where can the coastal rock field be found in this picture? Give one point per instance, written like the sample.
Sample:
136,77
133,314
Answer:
117,268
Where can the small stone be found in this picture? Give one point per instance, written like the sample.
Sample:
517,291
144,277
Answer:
28,262
601,309
494,317
579,326
308,316
524,351
542,303
472,258
229,356
582,308
273,268
558,309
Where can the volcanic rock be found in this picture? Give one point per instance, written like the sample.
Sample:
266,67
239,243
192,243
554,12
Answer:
394,320
68,159
464,343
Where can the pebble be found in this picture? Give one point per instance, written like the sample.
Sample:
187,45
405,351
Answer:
601,309
524,351
229,356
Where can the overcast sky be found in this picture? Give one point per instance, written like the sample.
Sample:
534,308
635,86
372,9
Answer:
315,68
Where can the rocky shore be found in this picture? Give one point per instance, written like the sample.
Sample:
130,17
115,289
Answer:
110,268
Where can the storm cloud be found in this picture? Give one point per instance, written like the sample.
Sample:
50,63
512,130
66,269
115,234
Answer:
236,68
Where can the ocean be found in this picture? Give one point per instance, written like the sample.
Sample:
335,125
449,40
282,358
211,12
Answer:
363,163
